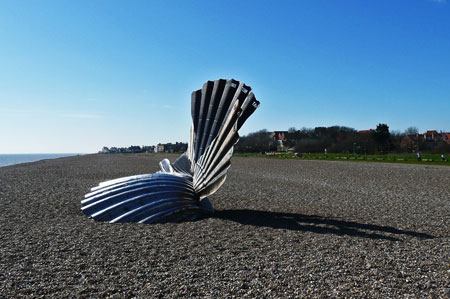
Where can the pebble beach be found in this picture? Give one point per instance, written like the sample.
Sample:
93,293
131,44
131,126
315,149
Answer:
282,229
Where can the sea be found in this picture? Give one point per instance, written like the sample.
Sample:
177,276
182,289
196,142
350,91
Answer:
11,159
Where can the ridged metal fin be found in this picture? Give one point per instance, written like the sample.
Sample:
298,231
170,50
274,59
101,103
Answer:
166,166
215,160
199,123
218,88
142,200
178,192
182,164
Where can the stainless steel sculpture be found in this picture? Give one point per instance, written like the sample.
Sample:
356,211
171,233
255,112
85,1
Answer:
179,191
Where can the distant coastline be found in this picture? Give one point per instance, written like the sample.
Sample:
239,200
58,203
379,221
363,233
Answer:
13,159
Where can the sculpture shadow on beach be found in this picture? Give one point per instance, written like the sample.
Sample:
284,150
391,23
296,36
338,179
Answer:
315,224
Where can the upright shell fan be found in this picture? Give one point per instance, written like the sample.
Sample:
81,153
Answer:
179,191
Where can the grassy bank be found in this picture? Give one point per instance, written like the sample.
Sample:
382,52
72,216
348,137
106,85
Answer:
427,159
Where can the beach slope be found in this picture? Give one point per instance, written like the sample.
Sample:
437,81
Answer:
283,228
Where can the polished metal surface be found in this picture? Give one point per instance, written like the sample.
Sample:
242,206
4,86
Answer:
179,191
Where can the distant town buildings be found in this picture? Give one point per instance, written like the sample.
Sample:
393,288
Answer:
128,150
426,141
280,138
279,135
335,139
160,148
370,131
171,147
340,139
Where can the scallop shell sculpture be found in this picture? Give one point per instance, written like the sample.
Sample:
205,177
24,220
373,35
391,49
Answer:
179,190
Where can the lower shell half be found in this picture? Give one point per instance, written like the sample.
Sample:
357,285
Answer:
148,198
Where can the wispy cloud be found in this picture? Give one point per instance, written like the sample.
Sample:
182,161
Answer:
439,1
92,99
84,116
14,112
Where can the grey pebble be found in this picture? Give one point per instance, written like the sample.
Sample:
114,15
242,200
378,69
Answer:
282,229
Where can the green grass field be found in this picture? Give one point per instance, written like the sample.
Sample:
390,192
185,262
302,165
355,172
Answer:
427,159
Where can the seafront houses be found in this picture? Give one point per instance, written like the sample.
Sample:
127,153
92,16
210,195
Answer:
127,150
370,131
433,138
171,147
148,149
279,135
160,148
426,141
446,137
280,138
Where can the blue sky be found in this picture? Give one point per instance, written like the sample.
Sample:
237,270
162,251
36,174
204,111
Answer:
77,75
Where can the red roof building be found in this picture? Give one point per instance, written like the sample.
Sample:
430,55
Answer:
446,137
279,135
366,131
431,135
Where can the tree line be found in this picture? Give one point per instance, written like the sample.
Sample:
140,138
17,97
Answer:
337,139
